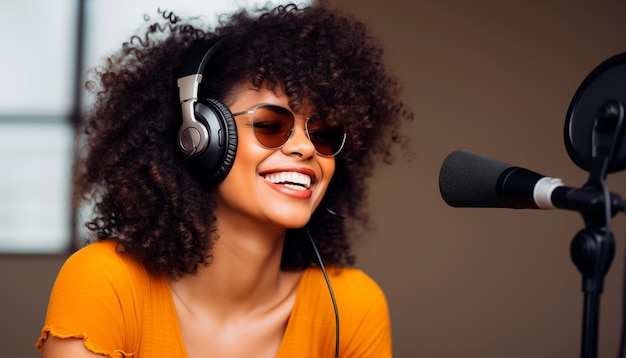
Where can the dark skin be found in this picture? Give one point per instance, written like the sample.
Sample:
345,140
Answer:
239,305
234,251
134,166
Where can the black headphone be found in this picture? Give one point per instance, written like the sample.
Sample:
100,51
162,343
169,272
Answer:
207,135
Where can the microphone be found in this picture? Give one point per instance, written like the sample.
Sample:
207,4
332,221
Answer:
467,179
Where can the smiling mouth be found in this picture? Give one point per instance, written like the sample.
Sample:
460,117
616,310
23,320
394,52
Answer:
293,180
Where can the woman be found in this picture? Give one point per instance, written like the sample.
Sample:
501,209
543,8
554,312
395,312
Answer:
212,235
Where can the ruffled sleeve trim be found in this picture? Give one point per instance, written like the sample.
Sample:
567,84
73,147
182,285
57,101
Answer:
49,330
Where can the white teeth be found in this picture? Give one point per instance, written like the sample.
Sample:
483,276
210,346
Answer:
293,186
290,179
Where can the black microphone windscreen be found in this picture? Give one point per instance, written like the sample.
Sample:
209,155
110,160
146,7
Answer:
467,179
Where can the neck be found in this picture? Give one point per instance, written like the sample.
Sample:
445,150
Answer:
244,272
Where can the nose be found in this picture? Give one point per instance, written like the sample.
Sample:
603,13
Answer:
299,143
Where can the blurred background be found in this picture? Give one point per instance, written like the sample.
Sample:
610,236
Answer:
493,77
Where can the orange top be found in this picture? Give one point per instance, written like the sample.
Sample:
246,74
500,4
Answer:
120,310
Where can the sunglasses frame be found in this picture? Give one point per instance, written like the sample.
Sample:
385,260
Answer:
306,128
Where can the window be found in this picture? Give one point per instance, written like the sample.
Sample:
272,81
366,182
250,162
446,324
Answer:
35,134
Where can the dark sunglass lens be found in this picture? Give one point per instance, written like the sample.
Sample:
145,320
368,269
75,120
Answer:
327,140
272,125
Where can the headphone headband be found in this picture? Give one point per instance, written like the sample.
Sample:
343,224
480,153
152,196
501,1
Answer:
199,56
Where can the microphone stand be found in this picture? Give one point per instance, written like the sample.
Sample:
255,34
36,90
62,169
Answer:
593,248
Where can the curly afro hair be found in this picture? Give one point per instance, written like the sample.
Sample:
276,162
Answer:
136,177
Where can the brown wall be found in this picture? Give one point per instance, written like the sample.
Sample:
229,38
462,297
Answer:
494,77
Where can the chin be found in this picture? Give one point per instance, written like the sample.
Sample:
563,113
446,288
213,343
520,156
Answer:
292,220
296,224
290,216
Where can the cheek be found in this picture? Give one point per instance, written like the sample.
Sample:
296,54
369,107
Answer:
243,171
249,152
328,170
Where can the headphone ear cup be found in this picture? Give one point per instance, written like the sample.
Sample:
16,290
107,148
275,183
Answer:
230,147
216,160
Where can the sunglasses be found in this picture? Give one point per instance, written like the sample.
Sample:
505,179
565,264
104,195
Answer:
273,126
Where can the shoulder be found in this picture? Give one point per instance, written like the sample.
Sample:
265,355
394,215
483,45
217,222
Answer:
99,295
100,272
354,290
102,257
97,252
351,276
362,309
347,281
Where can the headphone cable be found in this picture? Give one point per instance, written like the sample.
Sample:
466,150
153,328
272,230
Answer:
330,290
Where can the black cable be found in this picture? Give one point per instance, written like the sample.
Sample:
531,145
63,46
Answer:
330,290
